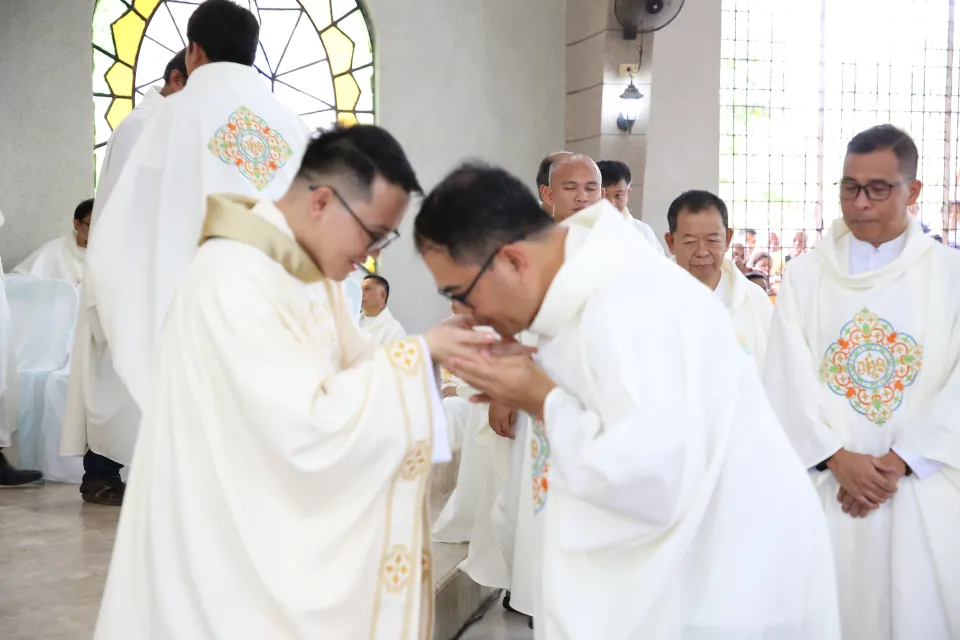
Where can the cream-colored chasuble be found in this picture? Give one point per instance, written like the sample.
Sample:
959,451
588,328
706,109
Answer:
871,362
278,485
59,259
673,506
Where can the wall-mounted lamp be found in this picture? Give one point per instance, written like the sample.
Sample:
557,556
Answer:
629,107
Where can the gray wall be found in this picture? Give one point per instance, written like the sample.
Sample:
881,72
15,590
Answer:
457,79
465,79
46,111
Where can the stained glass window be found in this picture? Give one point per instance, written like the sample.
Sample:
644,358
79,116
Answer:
316,55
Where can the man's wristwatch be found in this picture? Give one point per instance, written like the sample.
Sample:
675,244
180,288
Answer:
822,466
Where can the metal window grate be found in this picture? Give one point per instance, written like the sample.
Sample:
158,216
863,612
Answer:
798,80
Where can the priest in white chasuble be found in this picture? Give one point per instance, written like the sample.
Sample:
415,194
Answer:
62,258
278,489
863,370
375,317
617,187
224,132
673,505
101,417
698,237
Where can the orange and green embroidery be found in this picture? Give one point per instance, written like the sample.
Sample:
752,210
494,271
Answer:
248,143
540,449
871,365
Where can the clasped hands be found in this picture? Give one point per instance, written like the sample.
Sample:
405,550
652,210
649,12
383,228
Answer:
499,367
866,481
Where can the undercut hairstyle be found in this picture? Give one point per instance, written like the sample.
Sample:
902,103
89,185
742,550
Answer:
177,63
380,280
696,201
476,210
888,137
543,173
225,31
355,156
83,210
613,172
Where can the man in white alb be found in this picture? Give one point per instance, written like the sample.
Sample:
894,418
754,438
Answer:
10,476
670,503
279,484
224,132
863,371
375,317
62,258
98,404
699,237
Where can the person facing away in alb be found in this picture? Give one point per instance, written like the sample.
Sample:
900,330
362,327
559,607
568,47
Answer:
268,396
863,371
672,504
375,317
699,236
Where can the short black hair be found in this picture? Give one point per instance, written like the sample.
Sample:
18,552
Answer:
177,63
543,172
382,282
613,172
695,201
749,232
83,210
888,137
225,31
475,210
357,155
756,275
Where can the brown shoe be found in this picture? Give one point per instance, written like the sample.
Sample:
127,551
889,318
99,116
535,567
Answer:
108,491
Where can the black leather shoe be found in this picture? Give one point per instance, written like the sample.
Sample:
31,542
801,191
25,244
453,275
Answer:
10,476
108,491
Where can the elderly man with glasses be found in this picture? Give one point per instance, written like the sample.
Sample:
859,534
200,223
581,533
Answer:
863,371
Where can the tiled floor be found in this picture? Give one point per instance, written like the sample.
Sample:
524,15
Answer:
499,624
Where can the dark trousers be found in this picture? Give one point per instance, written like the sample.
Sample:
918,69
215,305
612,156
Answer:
97,467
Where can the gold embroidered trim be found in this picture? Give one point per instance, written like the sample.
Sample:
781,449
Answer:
230,217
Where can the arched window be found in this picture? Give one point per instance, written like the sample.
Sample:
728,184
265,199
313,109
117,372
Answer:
799,79
316,55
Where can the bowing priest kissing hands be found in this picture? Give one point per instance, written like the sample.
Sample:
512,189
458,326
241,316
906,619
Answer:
512,379
866,481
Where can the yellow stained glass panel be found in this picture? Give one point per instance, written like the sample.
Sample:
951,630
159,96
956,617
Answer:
118,111
146,7
348,92
128,31
120,79
339,50
347,119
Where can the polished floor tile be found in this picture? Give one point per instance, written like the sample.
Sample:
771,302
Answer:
499,624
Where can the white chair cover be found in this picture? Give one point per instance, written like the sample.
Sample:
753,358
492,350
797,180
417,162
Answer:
55,467
43,314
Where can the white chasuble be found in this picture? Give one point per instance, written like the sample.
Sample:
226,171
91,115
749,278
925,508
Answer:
674,506
869,363
278,485
384,328
59,259
749,307
646,230
100,414
224,133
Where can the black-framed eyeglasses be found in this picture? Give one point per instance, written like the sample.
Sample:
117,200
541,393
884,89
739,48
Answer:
378,241
875,190
462,297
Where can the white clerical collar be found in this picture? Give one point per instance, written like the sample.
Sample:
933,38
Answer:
864,257
724,289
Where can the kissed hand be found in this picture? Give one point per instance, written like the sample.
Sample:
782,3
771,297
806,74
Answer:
513,380
502,420
867,480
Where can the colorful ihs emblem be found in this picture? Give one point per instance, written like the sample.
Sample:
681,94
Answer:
540,450
248,143
871,365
